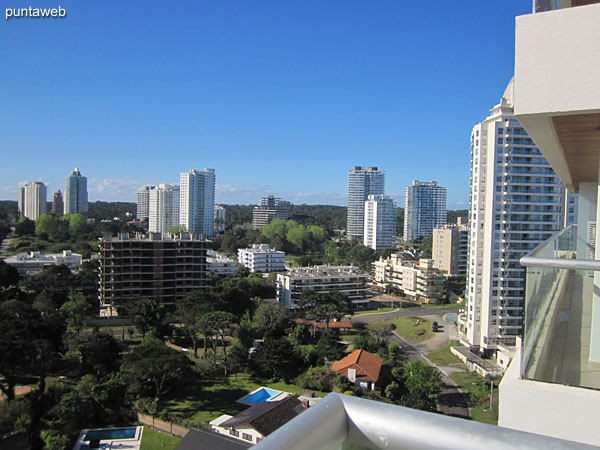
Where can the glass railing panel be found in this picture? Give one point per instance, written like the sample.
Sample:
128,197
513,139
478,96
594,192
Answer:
559,294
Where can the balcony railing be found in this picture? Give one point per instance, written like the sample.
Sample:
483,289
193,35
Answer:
558,305
344,422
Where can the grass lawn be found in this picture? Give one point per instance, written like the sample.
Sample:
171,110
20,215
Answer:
443,356
154,440
434,306
199,402
405,327
480,412
372,310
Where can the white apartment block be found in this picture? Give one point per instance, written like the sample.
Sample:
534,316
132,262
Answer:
32,263
418,281
219,219
269,208
163,208
76,194
515,204
424,209
196,211
143,202
262,258
450,249
380,222
348,280
362,182
32,200
219,264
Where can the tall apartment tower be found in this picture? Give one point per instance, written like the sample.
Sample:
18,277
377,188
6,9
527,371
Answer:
32,200
269,208
380,222
515,204
163,208
76,195
57,204
197,205
424,209
143,202
362,182
219,219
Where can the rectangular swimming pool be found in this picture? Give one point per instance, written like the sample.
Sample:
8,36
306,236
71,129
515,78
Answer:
112,433
260,395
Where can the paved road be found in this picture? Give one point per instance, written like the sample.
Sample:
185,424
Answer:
6,242
451,401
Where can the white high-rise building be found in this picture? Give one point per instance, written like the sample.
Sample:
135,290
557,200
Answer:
362,182
163,209
269,208
197,190
515,204
76,194
219,219
32,200
143,202
380,222
424,209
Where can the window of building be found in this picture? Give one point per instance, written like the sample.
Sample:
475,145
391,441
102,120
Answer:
235,433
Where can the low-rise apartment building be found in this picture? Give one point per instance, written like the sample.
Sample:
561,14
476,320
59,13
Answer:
219,264
262,258
348,280
419,281
32,263
161,268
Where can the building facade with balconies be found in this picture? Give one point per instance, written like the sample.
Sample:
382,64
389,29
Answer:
557,100
262,258
157,267
348,280
515,204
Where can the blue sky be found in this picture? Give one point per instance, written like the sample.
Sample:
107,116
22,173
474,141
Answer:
279,97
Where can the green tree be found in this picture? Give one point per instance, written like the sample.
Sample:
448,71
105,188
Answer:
176,229
271,319
420,384
99,354
220,322
190,315
276,358
329,348
25,227
148,316
152,368
325,305
78,310
8,275
380,330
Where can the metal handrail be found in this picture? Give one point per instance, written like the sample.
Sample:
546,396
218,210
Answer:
561,263
344,422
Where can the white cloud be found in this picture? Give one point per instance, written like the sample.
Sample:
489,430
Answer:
114,189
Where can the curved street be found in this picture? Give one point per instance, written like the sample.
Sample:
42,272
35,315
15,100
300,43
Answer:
451,401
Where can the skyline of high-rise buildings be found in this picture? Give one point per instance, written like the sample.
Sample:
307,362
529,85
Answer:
424,209
76,194
362,182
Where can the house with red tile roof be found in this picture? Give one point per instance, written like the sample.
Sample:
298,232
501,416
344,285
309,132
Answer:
360,367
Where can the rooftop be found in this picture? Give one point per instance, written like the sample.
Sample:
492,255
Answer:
367,365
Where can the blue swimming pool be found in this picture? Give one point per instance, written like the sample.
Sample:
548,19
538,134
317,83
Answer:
112,433
258,396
